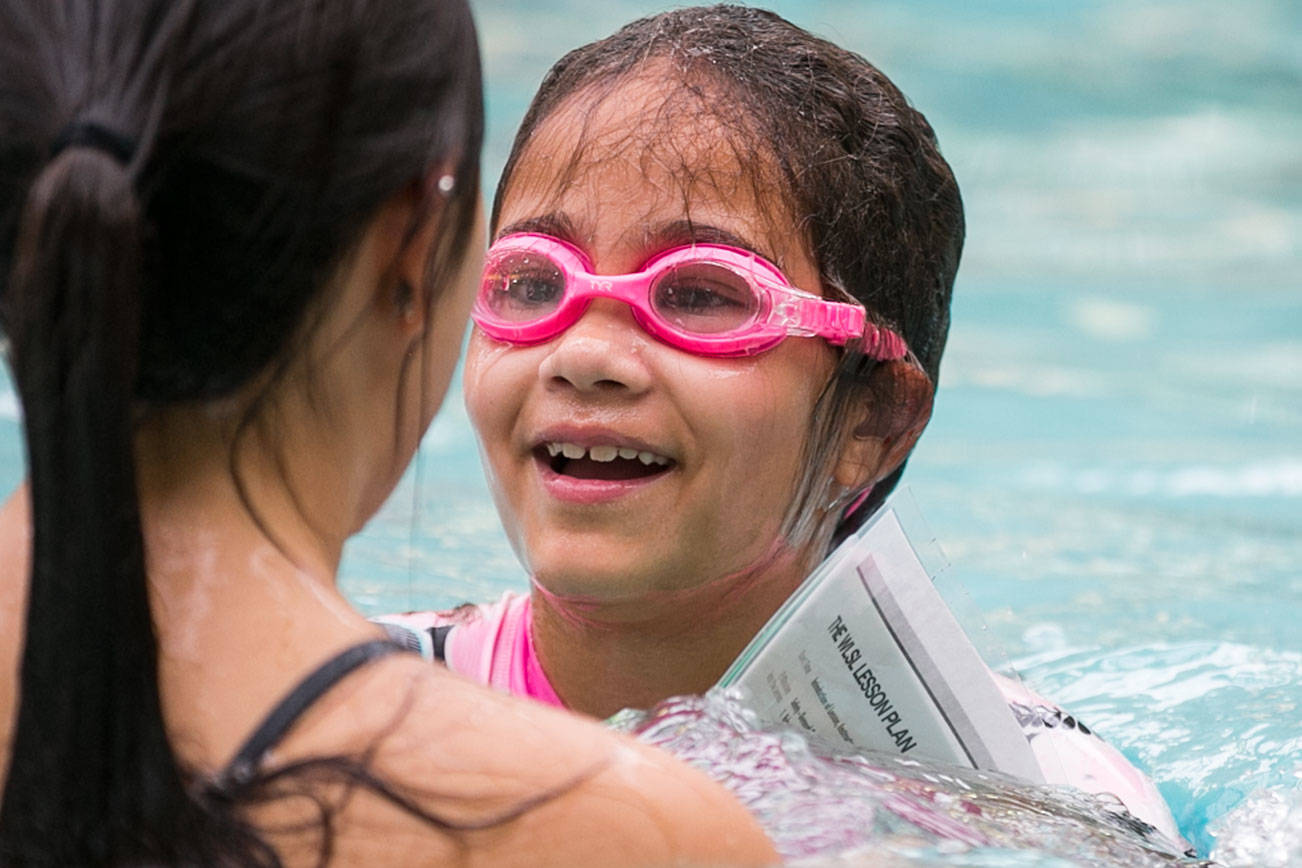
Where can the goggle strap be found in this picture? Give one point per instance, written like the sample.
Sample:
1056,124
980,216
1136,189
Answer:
883,344
836,322
844,322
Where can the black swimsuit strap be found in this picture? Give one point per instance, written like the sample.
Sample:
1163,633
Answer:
297,701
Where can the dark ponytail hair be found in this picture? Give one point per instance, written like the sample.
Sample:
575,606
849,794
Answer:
178,180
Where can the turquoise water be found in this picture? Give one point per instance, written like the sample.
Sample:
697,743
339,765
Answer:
1114,469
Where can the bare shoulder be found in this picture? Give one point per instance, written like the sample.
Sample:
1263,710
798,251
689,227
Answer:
505,781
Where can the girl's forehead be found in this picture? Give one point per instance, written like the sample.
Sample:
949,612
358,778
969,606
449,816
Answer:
618,165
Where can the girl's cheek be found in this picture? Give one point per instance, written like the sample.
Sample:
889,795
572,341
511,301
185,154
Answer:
488,374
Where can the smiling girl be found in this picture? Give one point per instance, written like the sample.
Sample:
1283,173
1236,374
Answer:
708,335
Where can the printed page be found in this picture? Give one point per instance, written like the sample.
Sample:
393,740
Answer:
866,654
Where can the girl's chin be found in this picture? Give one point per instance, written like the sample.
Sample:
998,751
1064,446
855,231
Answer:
587,588
613,599
629,590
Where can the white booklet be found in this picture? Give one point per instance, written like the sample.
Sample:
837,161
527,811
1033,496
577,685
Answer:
866,654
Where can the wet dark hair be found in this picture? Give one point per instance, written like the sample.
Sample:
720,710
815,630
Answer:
859,169
179,181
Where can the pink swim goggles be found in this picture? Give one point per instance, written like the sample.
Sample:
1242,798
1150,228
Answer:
707,299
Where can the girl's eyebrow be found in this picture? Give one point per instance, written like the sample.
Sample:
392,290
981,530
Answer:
677,233
683,232
556,224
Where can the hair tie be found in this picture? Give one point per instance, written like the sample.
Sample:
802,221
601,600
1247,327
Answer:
88,134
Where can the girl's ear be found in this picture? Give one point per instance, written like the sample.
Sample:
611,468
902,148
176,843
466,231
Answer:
893,409
419,202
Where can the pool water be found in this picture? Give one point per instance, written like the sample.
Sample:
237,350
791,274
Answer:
1114,469
876,809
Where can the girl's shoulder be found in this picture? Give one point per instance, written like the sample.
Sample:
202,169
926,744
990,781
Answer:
489,644
511,605
487,778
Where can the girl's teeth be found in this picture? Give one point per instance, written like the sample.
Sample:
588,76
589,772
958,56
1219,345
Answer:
604,453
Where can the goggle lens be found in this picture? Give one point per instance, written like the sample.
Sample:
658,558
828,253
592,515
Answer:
521,287
704,298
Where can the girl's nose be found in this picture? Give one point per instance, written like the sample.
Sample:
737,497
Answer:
601,353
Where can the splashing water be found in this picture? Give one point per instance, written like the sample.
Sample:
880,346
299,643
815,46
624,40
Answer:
1264,831
820,807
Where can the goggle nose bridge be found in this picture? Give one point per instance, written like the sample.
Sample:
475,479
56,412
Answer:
630,289
634,290
623,287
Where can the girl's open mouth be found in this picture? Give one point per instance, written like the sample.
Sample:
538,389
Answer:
601,462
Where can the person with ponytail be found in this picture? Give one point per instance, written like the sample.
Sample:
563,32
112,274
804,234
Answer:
237,245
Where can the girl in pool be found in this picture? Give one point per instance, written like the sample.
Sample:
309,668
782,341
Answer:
237,250
708,332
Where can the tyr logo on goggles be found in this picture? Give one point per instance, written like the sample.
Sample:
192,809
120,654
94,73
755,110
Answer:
707,299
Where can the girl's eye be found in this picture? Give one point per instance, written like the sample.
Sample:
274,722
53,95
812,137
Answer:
522,286
532,289
704,298
686,298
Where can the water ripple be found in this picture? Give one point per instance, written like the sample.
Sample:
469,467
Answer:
818,804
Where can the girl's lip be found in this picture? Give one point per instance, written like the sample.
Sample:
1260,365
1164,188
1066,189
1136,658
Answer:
572,489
